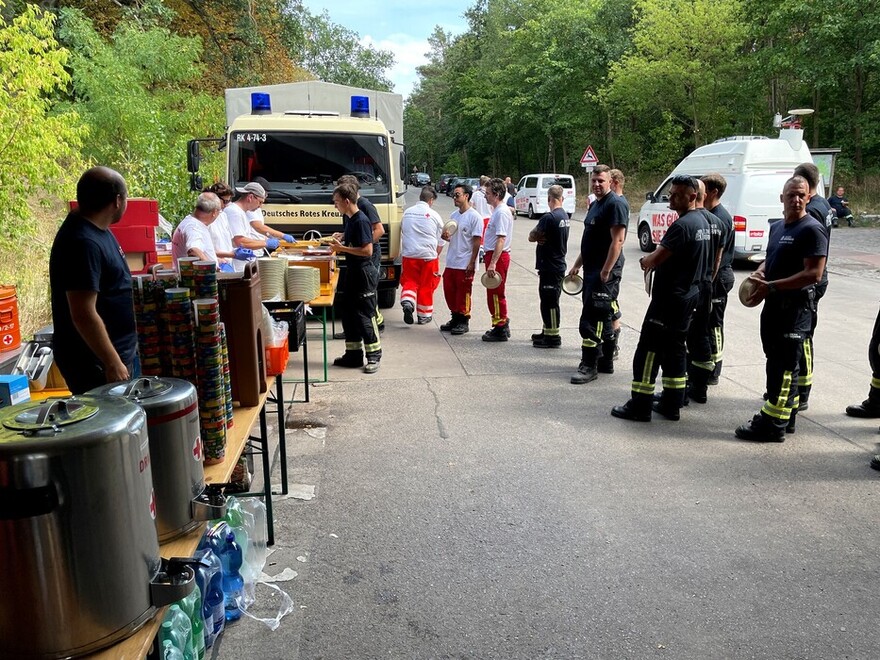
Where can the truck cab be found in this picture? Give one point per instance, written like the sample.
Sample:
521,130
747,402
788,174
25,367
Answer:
298,138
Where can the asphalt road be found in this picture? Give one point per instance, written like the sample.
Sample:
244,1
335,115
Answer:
471,503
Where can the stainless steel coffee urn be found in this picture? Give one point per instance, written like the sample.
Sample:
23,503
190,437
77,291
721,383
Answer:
182,500
79,554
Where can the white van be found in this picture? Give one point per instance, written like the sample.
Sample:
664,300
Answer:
531,194
755,168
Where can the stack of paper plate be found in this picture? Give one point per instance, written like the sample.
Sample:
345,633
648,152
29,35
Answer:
303,283
272,277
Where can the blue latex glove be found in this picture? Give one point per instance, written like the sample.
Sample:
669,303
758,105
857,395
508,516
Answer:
226,268
272,244
243,254
289,238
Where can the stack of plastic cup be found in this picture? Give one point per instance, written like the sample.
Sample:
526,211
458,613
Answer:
179,330
227,377
186,267
146,314
205,279
211,385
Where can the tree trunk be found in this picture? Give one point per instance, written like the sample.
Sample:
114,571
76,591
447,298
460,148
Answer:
609,139
816,117
858,99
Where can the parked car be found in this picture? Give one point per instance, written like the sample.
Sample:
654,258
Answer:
531,195
420,179
450,187
443,182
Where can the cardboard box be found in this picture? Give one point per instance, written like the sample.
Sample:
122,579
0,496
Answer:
14,389
325,264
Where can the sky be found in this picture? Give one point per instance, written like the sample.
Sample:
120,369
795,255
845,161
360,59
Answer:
400,26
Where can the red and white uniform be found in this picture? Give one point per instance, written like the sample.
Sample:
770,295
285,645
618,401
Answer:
500,224
420,245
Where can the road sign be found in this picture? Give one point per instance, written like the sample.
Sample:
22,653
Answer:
589,159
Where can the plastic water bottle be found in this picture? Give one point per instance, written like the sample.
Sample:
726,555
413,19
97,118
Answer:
177,629
171,652
192,606
231,558
210,581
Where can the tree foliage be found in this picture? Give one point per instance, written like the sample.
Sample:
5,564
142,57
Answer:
38,147
529,84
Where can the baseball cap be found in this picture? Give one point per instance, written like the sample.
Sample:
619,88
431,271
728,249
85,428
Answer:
254,188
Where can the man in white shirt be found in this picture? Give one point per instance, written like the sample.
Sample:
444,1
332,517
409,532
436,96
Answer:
252,197
259,229
496,242
192,237
219,230
420,246
461,260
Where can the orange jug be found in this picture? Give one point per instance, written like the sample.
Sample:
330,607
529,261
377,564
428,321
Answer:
10,332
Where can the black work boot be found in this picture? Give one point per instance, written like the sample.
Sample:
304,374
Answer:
586,372
461,326
867,409
350,359
547,341
637,409
759,430
716,374
497,333
789,428
698,384
449,325
605,364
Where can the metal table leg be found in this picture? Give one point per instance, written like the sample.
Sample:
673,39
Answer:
267,477
282,431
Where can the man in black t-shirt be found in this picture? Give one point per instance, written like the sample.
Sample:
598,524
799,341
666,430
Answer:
821,210
551,235
723,279
601,256
679,266
786,282
701,364
367,207
95,338
840,204
359,296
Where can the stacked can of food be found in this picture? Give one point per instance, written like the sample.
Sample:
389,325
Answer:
164,280
146,315
211,382
179,333
186,266
204,279
227,376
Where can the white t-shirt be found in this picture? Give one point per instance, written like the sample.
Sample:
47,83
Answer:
470,224
255,216
478,201
420,231
191,233
500,224
238,226
219,230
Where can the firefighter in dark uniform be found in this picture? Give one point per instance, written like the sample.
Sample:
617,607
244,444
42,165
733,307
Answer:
701,365
724,278
870,407
362,278
819,208
601,256
551,235
679,265
786,282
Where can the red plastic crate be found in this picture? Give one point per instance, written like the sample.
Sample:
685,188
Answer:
135,239
139,212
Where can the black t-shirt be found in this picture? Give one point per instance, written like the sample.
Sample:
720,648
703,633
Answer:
550,255
605,213
790,244
819,208
86,258
358,232
688,239
728,236
716,236
367,207
837,203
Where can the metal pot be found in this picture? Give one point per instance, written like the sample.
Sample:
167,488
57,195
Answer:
79,555
182,500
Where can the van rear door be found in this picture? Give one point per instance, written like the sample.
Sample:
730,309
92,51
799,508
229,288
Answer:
755,208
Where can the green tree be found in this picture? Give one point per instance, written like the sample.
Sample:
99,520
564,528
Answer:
134,93
38,146
334,53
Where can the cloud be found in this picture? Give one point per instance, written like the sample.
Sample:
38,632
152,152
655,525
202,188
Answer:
408,54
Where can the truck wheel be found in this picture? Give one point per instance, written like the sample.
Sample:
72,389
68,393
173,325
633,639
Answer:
531,212
386,298
646,243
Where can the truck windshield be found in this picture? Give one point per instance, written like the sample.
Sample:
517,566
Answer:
304,167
